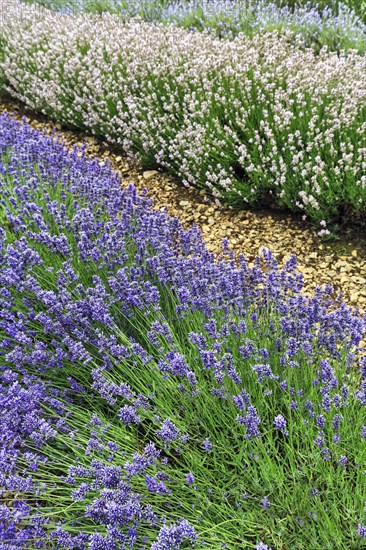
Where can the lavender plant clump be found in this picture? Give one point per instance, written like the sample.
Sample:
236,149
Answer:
154,396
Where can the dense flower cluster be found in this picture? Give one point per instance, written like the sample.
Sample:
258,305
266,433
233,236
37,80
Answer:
250,120
154,396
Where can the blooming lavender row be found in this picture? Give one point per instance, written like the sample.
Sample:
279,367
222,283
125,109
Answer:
343,30
248,120
153,396
317,27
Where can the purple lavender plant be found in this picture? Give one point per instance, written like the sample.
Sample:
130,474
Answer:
130,356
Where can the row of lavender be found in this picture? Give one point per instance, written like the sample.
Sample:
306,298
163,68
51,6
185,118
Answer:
153,396
250,120
335,25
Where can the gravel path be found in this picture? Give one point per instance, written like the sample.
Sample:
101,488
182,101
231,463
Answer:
343,264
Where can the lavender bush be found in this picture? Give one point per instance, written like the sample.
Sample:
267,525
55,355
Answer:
252,121
338,29
153,396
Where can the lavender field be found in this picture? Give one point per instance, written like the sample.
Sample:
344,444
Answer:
154,395
251,120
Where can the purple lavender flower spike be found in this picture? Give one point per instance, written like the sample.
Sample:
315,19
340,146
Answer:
174,535
190,478
280,424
